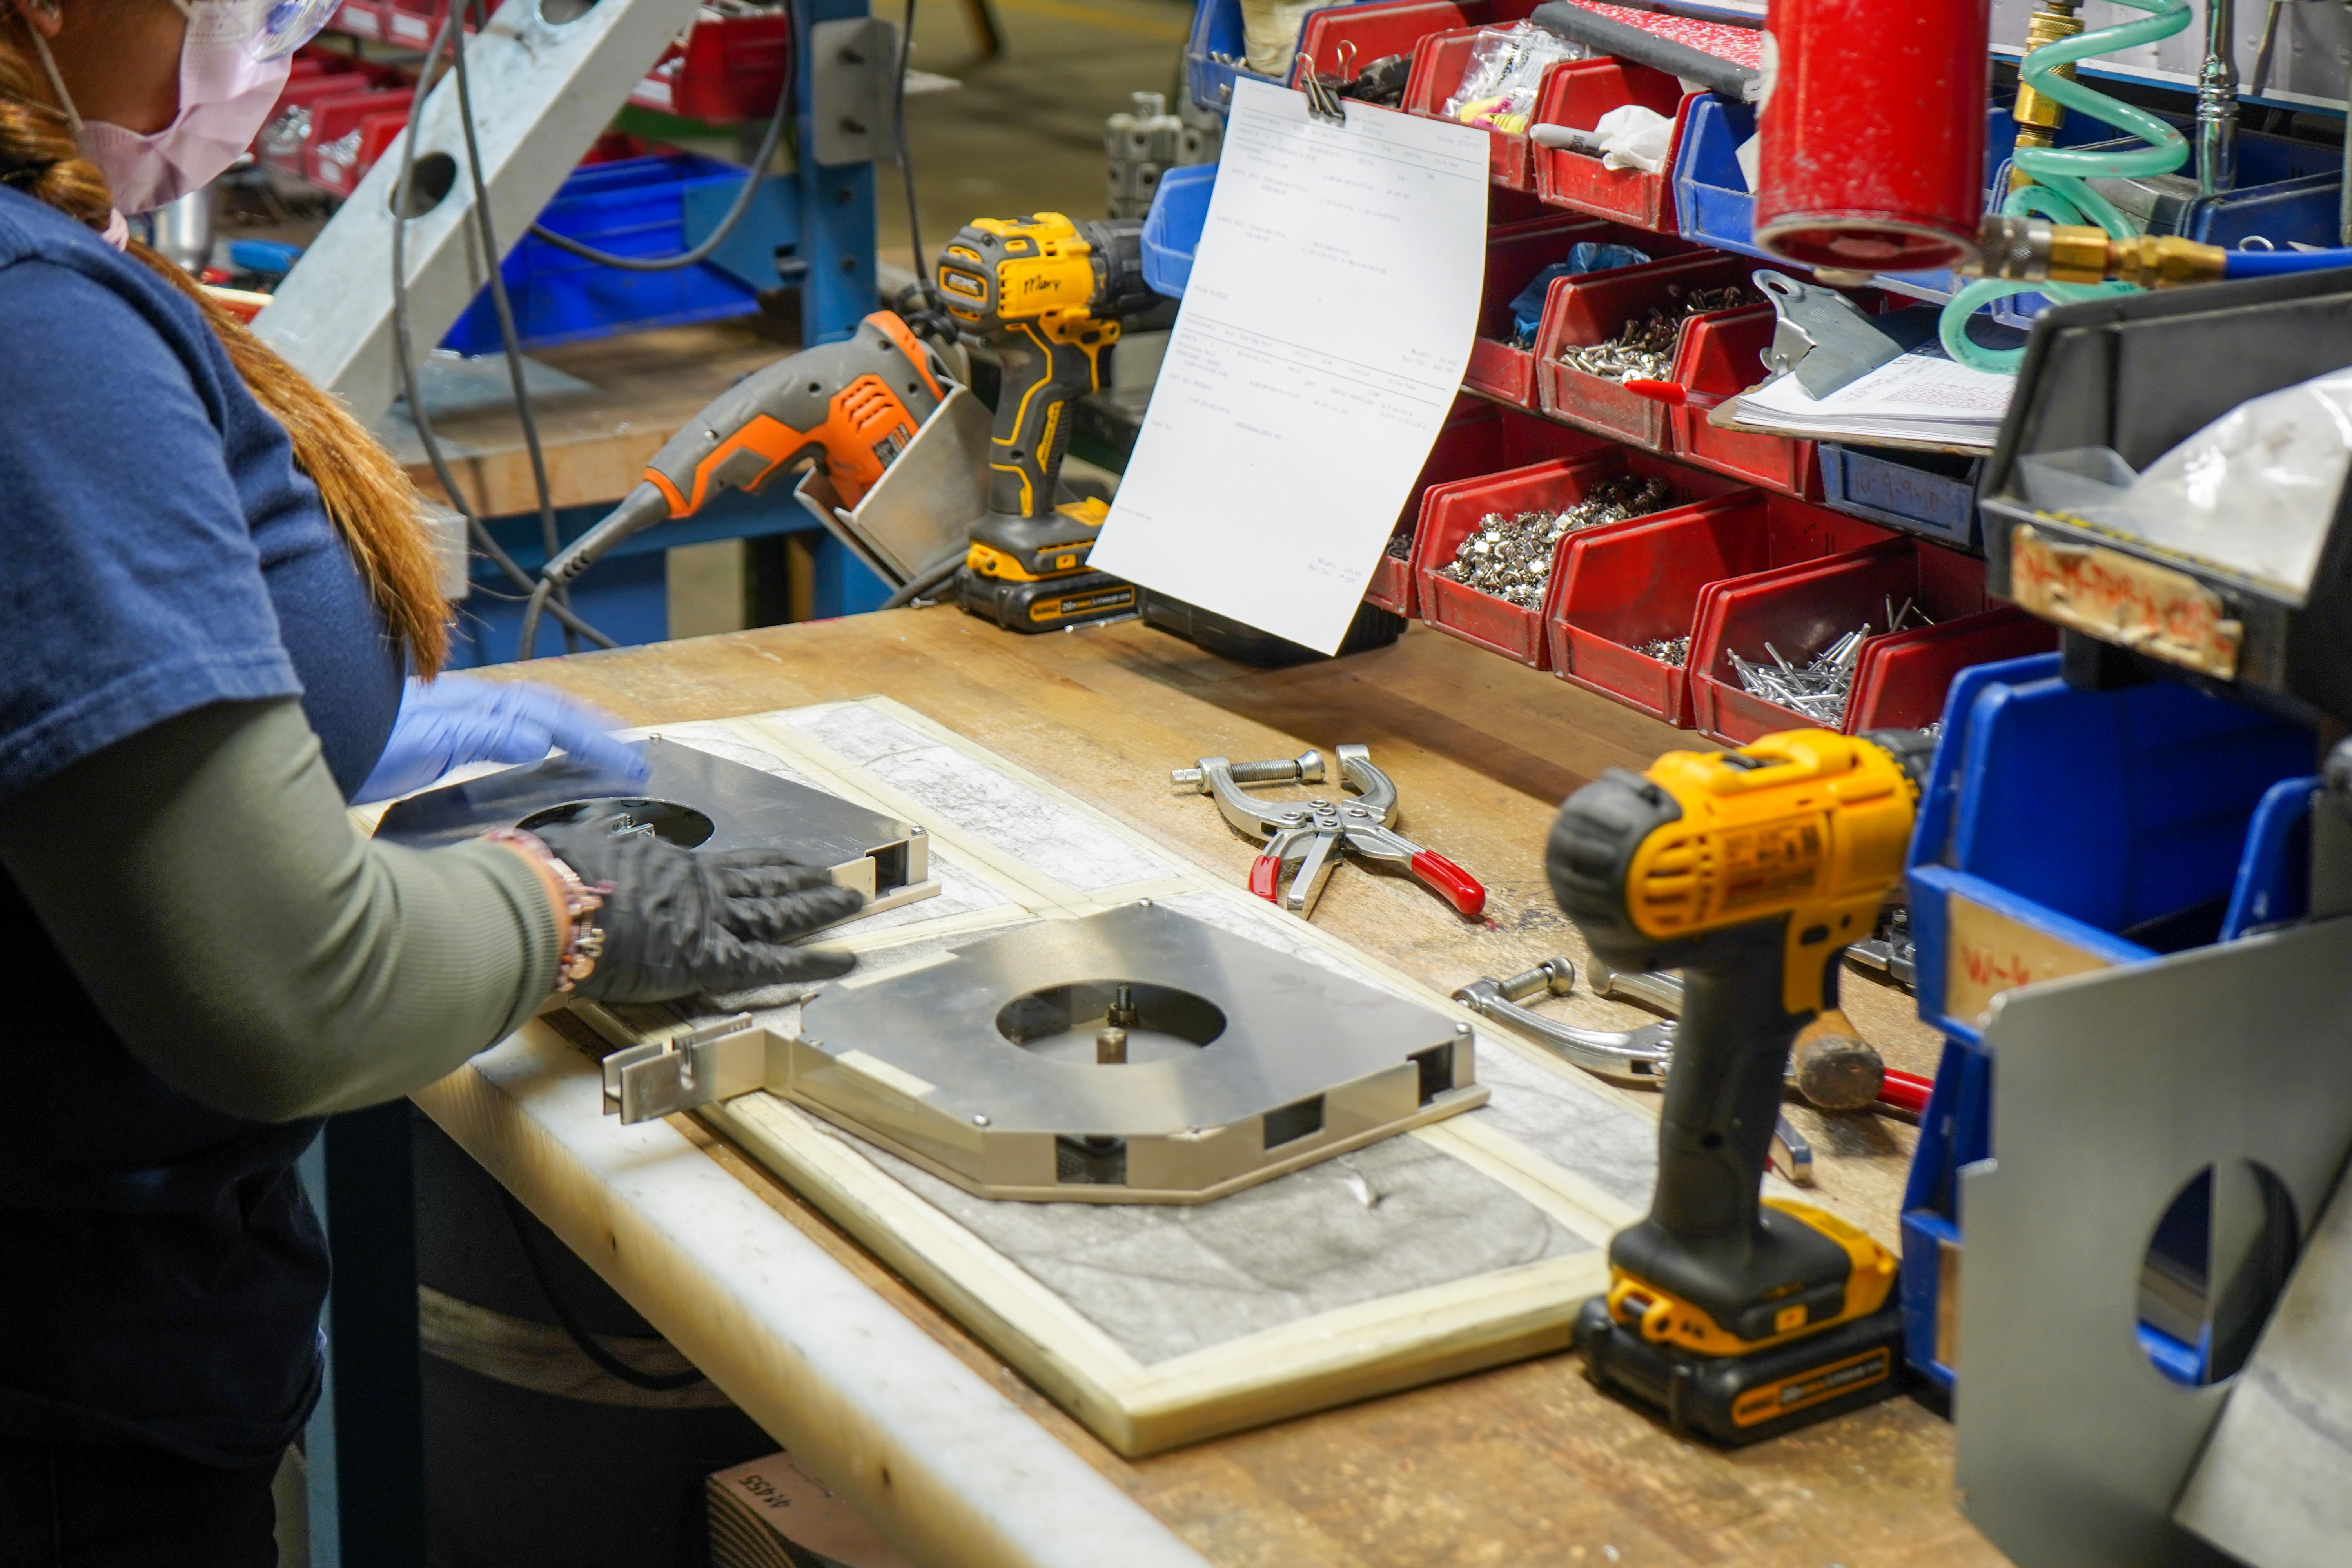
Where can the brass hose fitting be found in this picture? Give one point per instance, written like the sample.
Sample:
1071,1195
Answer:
2035,250
2038,115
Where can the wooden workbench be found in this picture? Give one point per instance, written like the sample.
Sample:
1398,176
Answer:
1517,1467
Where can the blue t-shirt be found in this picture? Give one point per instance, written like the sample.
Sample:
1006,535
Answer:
162,553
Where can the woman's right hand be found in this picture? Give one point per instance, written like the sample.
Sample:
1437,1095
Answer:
679,924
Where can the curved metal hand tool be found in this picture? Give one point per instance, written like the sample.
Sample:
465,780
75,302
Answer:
1312,833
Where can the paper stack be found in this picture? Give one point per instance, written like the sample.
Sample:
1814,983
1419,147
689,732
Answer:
1921,398
771,1513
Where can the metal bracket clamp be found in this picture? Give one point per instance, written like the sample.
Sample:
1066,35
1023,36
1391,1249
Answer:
852,67
713,1061
1639,1054
1820,336
1643,1055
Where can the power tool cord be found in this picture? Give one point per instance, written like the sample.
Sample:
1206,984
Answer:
927,582
760,160
906,165
404,354
550,540
652,1382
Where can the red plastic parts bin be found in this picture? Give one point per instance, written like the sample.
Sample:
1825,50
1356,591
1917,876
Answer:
1802,610
1439,63
1451,513
1377,28
1478,437
1577,95
726,69
349,134
1514,256
1581,312
1902,681
1615,589
1720,357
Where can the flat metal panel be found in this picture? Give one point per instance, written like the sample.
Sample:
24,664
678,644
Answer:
542,92
2112,1091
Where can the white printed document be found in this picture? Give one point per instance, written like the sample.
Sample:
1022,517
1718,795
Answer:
1323,335
1922,396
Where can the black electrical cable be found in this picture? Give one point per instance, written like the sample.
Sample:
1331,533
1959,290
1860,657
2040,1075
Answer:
404,357
652,1382
550,541
785,97
926,581
907,166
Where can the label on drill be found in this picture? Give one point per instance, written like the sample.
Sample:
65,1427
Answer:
1767,864
1791,1394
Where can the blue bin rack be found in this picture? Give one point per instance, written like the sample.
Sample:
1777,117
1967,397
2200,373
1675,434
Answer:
1932,494
1171,231
637,206
1217,30
2117,824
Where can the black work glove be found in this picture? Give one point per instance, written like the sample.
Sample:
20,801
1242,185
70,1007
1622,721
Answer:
678,924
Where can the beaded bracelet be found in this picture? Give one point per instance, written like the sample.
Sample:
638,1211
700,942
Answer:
578,960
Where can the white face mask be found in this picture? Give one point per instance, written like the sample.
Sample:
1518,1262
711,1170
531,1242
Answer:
233,63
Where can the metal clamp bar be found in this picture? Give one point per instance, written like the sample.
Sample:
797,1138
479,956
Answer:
1639,1054
713,1061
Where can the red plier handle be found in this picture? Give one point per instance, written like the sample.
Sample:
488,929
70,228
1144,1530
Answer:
1450,881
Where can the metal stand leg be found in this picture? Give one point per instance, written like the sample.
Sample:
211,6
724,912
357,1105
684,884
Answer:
365,1443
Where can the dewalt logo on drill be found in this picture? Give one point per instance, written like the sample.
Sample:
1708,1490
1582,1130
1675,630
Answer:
1770,863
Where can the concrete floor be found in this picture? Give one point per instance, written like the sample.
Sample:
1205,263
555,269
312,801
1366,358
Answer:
1021,133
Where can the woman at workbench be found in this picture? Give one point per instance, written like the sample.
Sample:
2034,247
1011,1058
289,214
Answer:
211,578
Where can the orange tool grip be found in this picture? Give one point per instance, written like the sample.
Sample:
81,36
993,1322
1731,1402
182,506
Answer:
1457,886
1265,875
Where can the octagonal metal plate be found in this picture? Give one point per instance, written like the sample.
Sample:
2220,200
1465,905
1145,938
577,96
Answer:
1308,1063
887,859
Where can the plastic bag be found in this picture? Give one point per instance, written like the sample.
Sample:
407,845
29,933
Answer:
1506,67
2254,491
1584,255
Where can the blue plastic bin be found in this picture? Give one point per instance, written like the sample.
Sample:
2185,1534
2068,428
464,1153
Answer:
1932,494
1171,230
2072,830
1216,31
635,207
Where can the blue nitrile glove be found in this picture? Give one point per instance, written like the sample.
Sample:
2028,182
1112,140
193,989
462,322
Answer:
1584,255
457,720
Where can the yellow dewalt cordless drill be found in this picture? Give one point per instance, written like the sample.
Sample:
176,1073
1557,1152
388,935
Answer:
1046,294
1751,871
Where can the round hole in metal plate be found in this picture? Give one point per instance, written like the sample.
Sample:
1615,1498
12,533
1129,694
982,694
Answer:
630,816
434,176
1063,1023
2216,1262
557,13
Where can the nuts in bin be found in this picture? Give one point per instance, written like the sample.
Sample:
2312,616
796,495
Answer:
1510,556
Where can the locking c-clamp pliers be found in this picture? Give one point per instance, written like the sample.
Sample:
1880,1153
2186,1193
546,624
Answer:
1312,833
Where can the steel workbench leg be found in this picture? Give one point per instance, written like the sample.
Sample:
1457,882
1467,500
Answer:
366,1445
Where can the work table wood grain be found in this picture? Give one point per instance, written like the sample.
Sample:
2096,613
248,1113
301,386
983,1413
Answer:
1524,1466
